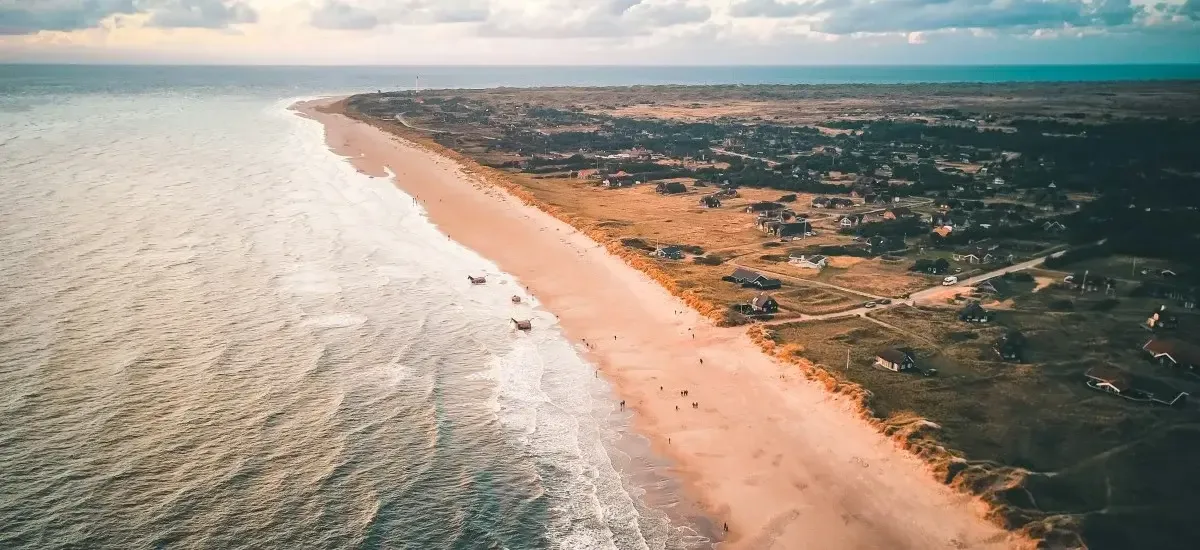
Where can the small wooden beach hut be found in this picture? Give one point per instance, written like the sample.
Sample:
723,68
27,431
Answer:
523,325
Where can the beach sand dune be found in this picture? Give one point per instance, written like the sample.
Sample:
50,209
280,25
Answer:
786,464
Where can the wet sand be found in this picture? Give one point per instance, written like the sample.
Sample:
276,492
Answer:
783,462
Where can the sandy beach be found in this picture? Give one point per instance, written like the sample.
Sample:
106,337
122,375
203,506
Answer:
781,461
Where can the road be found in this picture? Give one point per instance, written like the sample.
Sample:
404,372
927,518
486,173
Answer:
400,119
720,151
915,297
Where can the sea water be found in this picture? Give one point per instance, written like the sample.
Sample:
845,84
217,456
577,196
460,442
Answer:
214,333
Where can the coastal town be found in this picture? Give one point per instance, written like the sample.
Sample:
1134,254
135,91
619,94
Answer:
1012,282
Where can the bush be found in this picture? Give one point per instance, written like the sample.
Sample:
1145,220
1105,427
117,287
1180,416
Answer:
1106,304
787,198
1061,305
1019,276
962,336
637,243
711,259
773,257
692,249
771,244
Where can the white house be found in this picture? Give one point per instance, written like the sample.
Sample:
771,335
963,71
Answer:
815,261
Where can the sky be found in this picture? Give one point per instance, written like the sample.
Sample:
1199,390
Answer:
606,32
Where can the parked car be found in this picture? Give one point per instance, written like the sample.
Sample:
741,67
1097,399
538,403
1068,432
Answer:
885,301
950,281
869,304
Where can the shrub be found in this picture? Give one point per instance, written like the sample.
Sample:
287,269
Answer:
692,249
711,259
1106,304
1061,305
637,243
787,198
1019,276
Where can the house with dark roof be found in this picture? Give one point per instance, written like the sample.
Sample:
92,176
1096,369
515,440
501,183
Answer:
1090,282
840,202
895,360
974,313
996,286
820,202
1113,380
752,279
1010,346
710,201
882,245
763,303
898,213
1174,353
791,229
764,207
670,188
669,253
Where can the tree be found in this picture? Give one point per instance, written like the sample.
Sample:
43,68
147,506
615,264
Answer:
941,265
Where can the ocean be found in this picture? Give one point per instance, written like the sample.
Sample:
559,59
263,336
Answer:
214,333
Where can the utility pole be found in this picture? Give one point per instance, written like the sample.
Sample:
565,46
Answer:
1083,283
847,358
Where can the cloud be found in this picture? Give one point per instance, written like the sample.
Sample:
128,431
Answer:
767,8
368,14
31,16
197,14
591,19
874,16
339,15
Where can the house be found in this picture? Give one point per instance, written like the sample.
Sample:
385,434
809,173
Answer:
763,303
1185,295
995,286
669,253
1054,226
748,278
1010,346
820,202
895,360
1109,379
1160,320
1174,353
1090,282
974,313
1116,381
849,220
764,207
710,201
670,188
839,202
859,191
791,229
882,245
815,261
943,231
898,213
768,225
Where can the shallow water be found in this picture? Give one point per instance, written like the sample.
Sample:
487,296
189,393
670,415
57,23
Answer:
216,334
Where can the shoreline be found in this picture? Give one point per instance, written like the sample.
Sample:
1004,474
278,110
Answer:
777,457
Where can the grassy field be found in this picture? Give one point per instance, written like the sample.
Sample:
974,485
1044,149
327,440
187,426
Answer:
1043,444
729,233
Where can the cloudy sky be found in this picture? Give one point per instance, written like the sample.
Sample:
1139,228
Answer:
617,32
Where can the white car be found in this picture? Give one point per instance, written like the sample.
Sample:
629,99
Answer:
950,281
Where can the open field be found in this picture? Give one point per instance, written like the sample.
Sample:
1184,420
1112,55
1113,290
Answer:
1055,449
